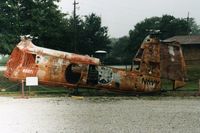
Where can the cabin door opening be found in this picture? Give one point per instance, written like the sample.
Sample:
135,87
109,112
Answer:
92,75
73,73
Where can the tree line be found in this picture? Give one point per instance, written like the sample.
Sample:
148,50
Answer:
43,20
54,29
125,48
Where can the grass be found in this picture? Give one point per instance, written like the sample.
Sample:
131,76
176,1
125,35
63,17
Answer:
10,88
3,60
193,77
193,73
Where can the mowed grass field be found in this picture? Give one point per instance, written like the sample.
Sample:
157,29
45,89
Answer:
11,88
3,59
193,77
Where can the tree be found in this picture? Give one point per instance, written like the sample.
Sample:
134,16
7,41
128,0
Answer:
141,30
42,19
92,36
168,25
39,18
194,27
9,28
119,50
171,26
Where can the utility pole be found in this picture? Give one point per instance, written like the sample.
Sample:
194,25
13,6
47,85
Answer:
75,26
188,23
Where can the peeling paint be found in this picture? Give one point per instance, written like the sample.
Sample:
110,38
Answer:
171,50
172,53
105,75
152,61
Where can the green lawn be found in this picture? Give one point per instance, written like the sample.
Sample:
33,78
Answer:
8,87
193,76
11,88
3,60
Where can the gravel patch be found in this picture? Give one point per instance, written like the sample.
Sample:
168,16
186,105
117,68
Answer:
99,115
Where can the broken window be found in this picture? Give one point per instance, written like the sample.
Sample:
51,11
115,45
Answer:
153,67
136,65
139,53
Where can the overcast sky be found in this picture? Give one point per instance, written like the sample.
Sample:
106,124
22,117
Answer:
121,15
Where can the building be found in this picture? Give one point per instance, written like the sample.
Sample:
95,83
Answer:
191,47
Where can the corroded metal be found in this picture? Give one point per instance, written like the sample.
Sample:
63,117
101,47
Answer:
172,63
72,70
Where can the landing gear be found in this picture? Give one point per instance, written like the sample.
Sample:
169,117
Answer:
73,91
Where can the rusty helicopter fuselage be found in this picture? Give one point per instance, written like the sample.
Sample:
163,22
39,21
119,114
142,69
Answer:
153,61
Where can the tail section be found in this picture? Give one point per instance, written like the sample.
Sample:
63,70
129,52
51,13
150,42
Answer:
172,63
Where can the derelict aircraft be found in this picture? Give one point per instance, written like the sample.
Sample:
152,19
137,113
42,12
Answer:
154,60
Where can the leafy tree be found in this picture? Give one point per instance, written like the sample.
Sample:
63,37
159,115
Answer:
140,31
168,25
42,19
194,27
9,28
93,36
119,50
171,26
39,18
76,27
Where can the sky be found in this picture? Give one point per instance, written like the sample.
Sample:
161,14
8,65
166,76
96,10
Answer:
120,16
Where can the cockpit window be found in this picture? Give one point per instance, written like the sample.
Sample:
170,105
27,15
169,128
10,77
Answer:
136,65
139,53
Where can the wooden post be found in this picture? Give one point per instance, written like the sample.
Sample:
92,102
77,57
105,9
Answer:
22,88
199,85
29,89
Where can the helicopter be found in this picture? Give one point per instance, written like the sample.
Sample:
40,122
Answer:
154,61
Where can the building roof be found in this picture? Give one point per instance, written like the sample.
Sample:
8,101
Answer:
187,39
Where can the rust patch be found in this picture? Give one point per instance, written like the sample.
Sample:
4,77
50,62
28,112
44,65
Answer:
153,61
